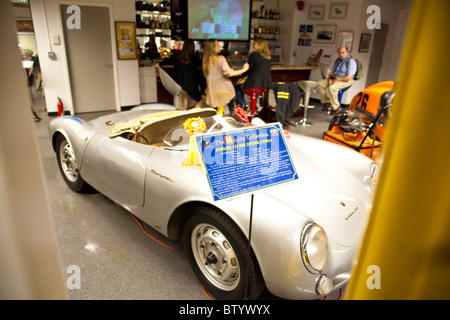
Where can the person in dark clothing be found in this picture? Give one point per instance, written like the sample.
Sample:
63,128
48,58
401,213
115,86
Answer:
258,74
188,73
151,50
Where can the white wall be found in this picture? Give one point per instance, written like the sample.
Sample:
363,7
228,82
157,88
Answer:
47,23
391,14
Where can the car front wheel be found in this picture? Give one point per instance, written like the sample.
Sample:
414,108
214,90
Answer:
218,253
68,166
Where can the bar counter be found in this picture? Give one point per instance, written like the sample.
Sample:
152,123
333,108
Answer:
280,73
291,73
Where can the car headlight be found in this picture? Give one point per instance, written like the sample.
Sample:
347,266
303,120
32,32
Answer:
374,174
373,171
314,247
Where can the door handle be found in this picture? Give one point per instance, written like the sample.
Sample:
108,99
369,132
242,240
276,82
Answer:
109,65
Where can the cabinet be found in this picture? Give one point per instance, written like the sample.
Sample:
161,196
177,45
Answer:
266,28
265,23
147,85
160,19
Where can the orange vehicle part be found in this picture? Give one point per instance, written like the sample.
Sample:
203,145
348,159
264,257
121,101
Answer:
369,148
367,104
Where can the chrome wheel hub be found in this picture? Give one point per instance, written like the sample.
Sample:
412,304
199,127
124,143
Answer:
215,257
68,162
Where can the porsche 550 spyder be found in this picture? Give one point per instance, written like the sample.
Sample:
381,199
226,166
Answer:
305,234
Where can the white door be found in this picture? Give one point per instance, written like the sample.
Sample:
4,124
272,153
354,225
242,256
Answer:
89,59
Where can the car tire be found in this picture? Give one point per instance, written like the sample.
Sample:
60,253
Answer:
218,253
67,165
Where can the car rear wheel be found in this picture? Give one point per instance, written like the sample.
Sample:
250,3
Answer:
218,253
67,164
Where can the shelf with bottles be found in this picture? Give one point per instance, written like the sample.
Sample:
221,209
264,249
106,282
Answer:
253,37
153,22
266,19
154,6
154,32
262,29
266,14
154,15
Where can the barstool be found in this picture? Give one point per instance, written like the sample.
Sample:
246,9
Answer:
340,94
254,93
306,86
171,86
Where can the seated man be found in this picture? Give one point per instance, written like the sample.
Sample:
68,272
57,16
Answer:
340,77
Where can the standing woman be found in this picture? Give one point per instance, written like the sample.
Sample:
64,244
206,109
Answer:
219,88
258,74
188,74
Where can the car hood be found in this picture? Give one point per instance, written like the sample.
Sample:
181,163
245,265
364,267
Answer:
334,188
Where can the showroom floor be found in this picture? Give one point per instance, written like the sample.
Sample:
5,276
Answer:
117,260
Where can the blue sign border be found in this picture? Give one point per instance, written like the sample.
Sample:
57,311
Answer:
245,160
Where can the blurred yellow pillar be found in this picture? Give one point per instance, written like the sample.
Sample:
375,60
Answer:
405,253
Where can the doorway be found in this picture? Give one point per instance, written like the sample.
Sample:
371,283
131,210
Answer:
89,59
376,58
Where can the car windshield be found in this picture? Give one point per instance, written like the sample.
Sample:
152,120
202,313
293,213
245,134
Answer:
179,136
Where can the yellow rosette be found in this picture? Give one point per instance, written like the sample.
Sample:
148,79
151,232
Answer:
193,126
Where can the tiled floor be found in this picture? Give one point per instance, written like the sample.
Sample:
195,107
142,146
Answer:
116,259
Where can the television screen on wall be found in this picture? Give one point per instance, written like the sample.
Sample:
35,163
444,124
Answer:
219,19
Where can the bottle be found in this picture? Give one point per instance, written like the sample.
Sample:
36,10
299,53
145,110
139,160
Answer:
153,23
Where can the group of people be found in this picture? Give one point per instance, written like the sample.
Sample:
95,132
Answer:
207,80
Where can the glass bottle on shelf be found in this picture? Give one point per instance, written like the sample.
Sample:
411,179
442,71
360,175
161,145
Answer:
153,23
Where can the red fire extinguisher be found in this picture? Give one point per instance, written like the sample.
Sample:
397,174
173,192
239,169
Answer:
60,108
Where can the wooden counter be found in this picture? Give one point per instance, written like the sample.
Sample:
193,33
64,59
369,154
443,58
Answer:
289,68
291,73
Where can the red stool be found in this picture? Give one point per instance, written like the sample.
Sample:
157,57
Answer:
254,93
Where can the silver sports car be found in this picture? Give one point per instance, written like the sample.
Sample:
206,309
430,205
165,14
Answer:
304,234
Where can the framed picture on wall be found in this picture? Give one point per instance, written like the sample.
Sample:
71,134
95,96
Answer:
345,38
126,40
338,10
24,26
325,33
316,12
364,43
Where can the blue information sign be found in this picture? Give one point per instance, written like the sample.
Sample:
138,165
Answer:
245,160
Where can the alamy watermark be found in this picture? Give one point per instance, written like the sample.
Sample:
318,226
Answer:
374,21
374,280
74,280
74,20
